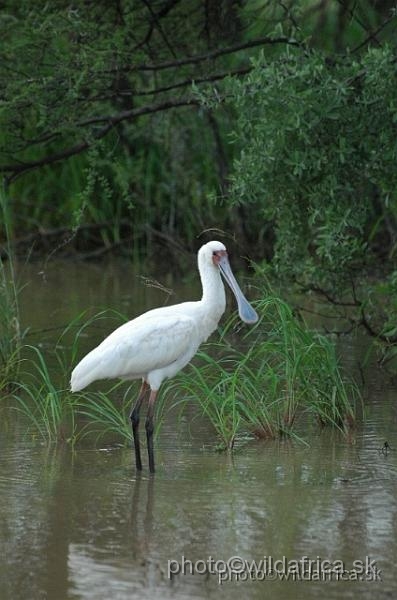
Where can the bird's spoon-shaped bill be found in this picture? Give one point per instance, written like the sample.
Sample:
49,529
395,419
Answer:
245,310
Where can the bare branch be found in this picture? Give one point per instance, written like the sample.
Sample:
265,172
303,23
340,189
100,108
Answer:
353,14
162,13
127,115
168,88
388,339
361,320
372,36
191,60
156,22
328,296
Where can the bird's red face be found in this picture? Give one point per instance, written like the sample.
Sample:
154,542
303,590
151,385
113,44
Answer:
217,256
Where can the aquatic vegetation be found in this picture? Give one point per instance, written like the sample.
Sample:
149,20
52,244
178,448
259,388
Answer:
105,415
10,332
48,407
215,387
55,414
42,392
265,383
285,373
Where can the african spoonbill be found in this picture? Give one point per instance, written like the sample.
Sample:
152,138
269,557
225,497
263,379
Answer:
160,342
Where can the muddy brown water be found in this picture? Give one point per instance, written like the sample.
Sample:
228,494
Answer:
80,524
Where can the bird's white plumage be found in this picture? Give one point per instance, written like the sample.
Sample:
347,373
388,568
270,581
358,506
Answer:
160,342
137,348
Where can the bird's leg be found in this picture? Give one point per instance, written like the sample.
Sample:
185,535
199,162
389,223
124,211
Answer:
149,426
134,416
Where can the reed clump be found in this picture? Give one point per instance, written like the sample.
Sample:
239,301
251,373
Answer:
10,331
280,374
105,414
48,406
42,392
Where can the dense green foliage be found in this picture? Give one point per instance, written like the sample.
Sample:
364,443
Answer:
318,150
108,137
98,137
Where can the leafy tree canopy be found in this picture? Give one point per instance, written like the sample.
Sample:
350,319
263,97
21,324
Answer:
318,149
129,113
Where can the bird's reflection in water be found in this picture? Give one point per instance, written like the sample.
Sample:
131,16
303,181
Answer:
142,516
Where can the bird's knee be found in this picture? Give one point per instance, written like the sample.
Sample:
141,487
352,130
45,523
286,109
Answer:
149,426
134,418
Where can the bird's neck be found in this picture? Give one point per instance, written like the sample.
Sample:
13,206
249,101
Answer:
214,297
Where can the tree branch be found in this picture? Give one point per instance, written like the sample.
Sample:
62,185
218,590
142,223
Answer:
359,321
388,339
20,167
191,60
156,22
155,18
174,86
16,169
328,296
127,115
372,36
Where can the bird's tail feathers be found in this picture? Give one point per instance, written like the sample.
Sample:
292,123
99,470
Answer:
87,371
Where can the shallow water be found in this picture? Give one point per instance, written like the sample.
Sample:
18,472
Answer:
81,525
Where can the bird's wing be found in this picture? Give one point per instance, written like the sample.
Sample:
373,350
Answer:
138,347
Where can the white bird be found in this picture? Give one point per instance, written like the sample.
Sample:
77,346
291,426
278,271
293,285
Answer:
160,342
